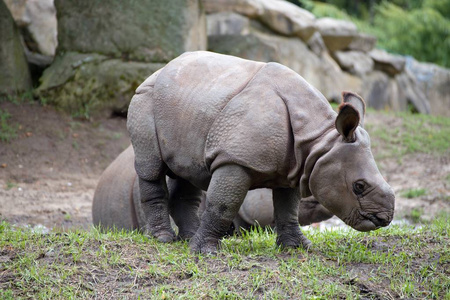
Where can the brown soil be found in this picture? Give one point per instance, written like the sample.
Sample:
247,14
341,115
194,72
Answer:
48,173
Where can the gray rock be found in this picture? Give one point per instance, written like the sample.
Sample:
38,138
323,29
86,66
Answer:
14,72
363,42
288,19
245,46
355,62
227,23
377,90
409,92
337,34
137,30
249,8
316,44
278,15
386,62
37,20
382,91
321,71
92,84
434,82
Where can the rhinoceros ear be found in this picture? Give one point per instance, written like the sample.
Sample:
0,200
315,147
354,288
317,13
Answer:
347,121
357,102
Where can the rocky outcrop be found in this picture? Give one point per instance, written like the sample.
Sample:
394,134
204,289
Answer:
137,36
330,54
14,72
101,61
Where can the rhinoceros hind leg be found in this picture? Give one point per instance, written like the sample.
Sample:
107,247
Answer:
184,201
226,192
156,209
285,203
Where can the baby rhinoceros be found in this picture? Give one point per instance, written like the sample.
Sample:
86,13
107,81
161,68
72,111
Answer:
227,125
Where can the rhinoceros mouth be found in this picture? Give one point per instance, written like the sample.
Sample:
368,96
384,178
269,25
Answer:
378,222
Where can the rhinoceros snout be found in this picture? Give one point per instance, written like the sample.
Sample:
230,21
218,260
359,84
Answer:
381,219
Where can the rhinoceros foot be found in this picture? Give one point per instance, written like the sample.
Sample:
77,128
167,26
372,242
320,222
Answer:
185,235
164,236
203,245
293,239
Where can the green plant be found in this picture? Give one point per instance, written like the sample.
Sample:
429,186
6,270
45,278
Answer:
7,131
417,28
413,193
416,214
10,185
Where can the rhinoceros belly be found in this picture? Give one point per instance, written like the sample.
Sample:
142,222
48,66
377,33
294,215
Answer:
189,94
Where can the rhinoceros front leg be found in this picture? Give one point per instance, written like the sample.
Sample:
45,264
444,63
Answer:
285,204
184,201
226,192
154,197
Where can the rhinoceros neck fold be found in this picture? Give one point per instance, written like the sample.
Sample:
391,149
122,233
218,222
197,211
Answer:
312,121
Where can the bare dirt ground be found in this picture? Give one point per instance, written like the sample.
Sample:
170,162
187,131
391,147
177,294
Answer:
49,172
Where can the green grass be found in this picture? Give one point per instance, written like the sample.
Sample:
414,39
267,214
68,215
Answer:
397,262
415,133
413,193
7,130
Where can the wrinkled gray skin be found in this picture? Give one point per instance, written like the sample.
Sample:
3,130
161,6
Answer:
117,201
227,125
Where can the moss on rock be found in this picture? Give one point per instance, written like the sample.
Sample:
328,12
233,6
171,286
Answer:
86,85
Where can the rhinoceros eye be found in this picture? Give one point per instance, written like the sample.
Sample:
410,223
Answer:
359,187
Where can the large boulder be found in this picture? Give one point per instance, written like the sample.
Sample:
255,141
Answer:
288,19
227,23
378,90
388,63
101,61
133,30
37,21
280,16
92,84
321,71
362,42
355,62
409,92
14,72
337,34
398,93
249,8
316,44
434,82
249,46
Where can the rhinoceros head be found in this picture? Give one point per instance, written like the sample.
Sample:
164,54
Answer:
346,179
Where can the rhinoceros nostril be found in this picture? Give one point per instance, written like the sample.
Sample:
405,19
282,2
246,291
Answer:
382,219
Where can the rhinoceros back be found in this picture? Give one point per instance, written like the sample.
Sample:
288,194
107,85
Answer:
188,95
